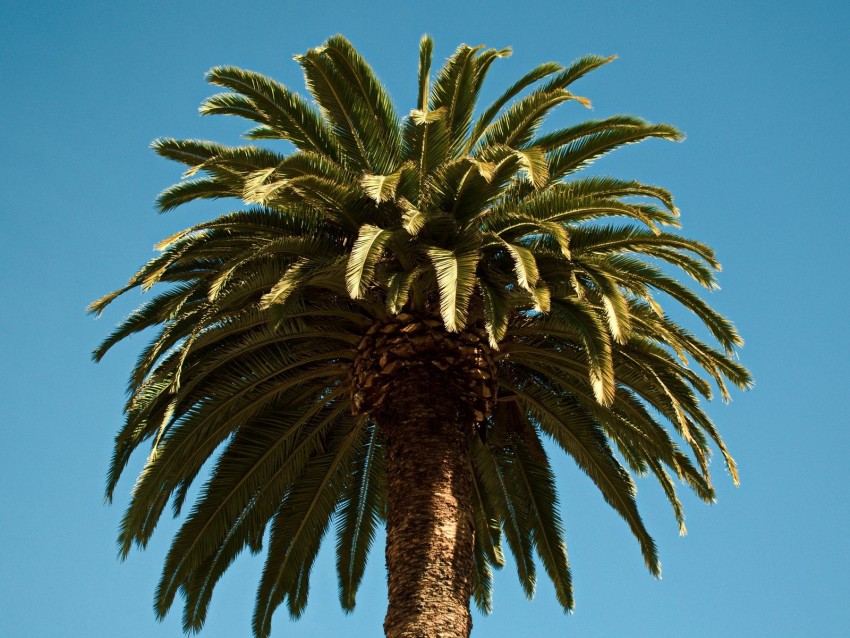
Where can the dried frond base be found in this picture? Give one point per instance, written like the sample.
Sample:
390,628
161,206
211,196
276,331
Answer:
393,358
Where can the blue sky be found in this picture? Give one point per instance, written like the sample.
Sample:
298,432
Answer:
760,88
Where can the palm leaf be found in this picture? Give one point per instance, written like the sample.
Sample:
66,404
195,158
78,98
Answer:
271,104
455,271
365,254
593,455
510,509
358,518
533,471
536,74
300,524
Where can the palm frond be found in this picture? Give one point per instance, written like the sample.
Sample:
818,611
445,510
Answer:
594,456
531,469
536,74
511,511
359,517
455,270
271,104
300,524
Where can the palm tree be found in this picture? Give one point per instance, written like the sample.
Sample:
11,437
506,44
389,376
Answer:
385,332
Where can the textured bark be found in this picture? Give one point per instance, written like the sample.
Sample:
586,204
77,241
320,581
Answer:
430,534
389,352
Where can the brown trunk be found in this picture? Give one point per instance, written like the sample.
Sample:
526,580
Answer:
429,529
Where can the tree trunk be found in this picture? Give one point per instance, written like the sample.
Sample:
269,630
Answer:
430,531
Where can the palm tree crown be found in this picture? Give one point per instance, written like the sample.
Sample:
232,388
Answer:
451,257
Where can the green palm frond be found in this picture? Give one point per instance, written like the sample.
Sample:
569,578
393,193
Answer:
455,89
426,52
365,253
358,133
531,470
455,271
576,70
301,522
574,149
509,506
359,517
374,99
591,451
273,105
486,118
517,125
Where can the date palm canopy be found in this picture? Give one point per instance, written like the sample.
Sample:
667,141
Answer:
447,290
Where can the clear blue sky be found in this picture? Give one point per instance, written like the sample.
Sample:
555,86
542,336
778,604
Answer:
761,89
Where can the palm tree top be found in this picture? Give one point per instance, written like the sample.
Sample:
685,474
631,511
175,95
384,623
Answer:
389,262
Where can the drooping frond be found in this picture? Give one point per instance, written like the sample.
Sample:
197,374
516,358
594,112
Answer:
455,273
359,517
509,508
